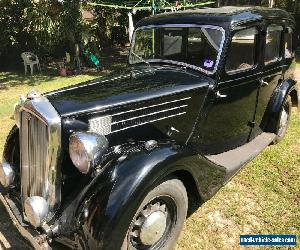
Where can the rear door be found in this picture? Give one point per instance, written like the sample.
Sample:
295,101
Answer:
272,72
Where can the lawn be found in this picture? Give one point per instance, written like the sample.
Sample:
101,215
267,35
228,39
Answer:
264,198
13,85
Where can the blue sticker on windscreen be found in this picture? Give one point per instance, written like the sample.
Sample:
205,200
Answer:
208,63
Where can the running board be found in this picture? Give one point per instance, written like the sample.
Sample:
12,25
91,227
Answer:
234,159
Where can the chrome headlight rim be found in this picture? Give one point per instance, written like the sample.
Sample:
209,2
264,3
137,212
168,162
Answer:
93,146
75,139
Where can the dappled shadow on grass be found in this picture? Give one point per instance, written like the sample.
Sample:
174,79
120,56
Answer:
112,60
9,236
9,79
12,79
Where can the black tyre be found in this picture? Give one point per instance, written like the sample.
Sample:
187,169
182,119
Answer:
284,119
159,219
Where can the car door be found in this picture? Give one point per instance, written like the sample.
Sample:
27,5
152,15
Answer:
230,115
272,72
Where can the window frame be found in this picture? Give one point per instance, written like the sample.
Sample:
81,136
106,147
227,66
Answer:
256,57
194,67
280,58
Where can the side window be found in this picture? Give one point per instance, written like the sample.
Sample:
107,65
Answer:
288,43
203,47
273,41
143,43
172,41
241,55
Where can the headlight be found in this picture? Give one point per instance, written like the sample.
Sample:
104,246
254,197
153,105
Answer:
85,149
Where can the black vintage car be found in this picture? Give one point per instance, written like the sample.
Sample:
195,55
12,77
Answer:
112,163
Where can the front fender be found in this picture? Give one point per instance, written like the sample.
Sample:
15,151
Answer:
273,110
11,150
110,213
106,206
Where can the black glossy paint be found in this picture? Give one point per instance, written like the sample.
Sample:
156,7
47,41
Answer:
224,17
125,183
138,84
97,208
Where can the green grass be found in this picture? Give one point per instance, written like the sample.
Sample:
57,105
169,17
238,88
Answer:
12,86
264,198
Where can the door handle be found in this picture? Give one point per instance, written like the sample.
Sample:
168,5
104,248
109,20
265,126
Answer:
263,83
219,95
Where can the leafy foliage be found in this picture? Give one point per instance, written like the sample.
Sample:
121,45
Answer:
49,28
39,26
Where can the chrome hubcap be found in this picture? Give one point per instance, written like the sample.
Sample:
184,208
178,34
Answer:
150,224
153,228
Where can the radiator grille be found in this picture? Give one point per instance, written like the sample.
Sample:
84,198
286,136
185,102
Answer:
34,140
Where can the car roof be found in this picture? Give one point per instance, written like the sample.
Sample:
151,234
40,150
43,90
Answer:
225,17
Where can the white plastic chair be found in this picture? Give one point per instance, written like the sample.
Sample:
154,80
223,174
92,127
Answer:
30,59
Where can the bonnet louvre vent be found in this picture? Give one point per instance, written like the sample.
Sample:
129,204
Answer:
139,116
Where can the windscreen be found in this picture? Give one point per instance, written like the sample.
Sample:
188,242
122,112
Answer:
198,47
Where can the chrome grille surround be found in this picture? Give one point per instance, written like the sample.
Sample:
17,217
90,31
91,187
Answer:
40,146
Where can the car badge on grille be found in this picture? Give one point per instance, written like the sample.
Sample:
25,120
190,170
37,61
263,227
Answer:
33,94
27,116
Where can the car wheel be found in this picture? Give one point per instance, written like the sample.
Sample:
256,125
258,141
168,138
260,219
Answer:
284,120
159,219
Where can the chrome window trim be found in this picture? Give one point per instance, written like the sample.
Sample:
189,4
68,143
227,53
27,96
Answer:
45,112
183,63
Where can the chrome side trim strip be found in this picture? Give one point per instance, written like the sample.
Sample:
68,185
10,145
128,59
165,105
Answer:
137,109
103,124
38,242
153,113
182,113
151,106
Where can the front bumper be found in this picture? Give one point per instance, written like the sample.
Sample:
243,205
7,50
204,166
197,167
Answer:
37,240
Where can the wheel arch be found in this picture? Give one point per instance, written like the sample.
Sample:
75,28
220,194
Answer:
110,208
295,99
285,88
130,180
11,150
194,196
